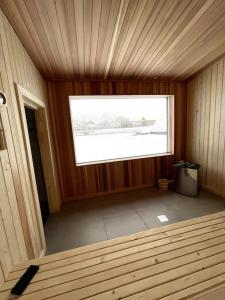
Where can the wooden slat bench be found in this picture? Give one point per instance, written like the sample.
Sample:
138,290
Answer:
178,261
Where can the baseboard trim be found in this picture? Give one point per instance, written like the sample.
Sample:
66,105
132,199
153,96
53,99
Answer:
101,194
211,190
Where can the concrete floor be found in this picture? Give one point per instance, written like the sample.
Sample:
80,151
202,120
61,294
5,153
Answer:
89,221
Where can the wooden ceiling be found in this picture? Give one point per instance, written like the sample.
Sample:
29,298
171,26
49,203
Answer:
119,39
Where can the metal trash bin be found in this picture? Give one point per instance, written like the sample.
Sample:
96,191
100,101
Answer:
186,179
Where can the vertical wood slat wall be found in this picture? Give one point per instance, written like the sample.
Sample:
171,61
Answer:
206,125
93,180
19,237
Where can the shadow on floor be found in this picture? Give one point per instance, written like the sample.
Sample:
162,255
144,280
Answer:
89,221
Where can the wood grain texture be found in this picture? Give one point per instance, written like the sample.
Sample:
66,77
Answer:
217,293
206,125
2,279
92,180
114,39
20,238
173,262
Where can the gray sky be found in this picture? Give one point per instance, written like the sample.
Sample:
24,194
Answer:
93,109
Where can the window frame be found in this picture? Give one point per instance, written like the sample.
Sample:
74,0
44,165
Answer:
170,126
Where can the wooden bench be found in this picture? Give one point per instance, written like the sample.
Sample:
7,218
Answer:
179,261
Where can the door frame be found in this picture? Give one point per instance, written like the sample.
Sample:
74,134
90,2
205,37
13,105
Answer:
25,98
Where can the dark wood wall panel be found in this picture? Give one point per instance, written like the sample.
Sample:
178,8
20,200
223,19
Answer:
86,181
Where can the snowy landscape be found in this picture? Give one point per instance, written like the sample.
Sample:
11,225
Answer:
117,146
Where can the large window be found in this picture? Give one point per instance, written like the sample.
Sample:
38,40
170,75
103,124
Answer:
112,128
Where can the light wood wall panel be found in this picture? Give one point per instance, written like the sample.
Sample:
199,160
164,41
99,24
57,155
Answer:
1,275
206,125
115,39
92,180
19,234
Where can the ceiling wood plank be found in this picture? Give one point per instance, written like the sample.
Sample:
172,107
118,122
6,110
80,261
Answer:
159,20
190,25
183,12
119,39
119,21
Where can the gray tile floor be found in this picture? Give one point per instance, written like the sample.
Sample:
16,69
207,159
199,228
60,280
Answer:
89,221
